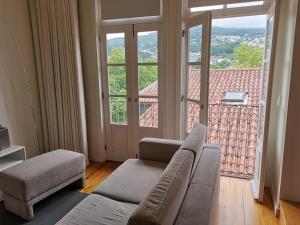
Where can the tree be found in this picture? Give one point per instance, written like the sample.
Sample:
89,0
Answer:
117,85
117,82
247,56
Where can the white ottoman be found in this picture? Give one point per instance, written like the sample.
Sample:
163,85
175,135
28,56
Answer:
31,181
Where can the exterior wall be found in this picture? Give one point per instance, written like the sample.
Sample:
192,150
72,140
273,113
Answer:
15,97
280,95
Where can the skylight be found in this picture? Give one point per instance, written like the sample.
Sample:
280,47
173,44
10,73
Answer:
245,4
235,98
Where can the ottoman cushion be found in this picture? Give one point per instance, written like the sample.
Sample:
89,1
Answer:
40,174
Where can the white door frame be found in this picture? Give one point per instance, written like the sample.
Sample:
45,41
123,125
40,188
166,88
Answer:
258,183
203,19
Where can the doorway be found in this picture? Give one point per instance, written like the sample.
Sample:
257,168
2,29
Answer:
239,84
236,74
131,81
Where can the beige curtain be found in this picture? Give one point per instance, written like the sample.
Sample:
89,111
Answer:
57,48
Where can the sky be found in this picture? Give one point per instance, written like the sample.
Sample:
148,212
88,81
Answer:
236,22
241,22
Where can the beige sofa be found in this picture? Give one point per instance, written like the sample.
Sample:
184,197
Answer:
172,182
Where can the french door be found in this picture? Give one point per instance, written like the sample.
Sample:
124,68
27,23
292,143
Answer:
195,75
131,80
257,184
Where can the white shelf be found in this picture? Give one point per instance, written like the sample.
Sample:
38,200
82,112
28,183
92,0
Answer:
10,150
6,163
10,157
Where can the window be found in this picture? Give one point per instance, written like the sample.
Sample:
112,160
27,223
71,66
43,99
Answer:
224,7
116,70
245,4
147,50
132,68
207,8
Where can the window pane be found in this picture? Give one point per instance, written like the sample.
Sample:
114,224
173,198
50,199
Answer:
147,46
194,81
206,8
148,80
193,115
194,43
117,80
115,48
148,111
245,4
118,110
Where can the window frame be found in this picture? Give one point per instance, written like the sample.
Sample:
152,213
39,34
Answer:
148,27
232,12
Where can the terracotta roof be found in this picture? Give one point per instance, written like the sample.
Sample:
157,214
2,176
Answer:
233,127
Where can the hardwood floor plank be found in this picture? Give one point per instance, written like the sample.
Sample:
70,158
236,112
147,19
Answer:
267,211
92,168
95,177
231,205
251,207
290,213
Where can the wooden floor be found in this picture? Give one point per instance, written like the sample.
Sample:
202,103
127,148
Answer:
237,206
290,213
96,173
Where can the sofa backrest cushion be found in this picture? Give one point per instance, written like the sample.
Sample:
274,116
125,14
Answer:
194,142
163,202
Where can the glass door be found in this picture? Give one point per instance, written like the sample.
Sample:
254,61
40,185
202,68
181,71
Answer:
131,87
196,35
116,90
147,82
258,182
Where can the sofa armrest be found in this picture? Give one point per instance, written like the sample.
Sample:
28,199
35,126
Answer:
157,149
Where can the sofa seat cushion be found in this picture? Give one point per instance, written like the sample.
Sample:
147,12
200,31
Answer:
132,181
162,204
98,210
40,174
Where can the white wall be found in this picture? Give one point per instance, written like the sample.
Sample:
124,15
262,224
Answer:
290,181
171,52
280,95
15,110
88,26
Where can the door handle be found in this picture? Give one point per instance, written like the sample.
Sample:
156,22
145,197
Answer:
129,99
202,106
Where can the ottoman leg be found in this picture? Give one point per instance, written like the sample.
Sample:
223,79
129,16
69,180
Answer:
18,207
80,183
